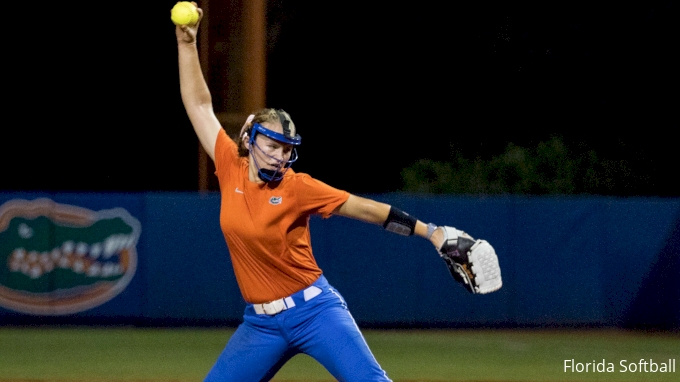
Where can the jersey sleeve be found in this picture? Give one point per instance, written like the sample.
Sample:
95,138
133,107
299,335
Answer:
317,197
226,152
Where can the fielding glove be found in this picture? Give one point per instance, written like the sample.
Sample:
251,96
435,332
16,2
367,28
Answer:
473,263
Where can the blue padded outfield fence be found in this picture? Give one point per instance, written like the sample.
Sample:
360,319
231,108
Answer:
160,259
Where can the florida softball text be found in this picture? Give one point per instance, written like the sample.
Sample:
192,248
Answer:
623,366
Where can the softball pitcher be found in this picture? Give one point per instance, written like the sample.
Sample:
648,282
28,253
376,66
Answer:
265,210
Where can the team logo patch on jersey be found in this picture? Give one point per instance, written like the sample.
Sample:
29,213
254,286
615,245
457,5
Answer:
58,259
275,200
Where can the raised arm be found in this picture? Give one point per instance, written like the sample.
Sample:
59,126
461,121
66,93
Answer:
193,88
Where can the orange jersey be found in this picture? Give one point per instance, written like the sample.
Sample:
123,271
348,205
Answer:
267,229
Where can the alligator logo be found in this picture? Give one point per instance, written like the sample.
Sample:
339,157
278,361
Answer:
58,259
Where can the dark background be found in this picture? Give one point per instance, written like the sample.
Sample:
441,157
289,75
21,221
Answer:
92,98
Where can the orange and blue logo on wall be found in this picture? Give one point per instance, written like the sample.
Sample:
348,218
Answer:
58,259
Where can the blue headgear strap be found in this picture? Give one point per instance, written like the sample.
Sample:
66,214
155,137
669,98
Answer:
284,138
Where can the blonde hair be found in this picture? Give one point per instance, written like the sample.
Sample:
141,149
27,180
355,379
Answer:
262,115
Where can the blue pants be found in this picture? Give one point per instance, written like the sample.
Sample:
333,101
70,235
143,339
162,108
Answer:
322,328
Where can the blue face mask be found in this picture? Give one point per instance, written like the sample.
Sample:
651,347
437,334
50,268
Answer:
274,175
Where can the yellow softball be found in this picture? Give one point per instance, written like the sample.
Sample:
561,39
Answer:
184,13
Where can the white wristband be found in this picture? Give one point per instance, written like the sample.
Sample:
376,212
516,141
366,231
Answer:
430,230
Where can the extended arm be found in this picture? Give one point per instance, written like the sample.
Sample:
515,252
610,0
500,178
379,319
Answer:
473,263
371,211
194,90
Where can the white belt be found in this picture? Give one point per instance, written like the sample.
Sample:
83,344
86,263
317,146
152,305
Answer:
277,306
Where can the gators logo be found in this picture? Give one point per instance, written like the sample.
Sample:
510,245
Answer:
58,259
275,200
